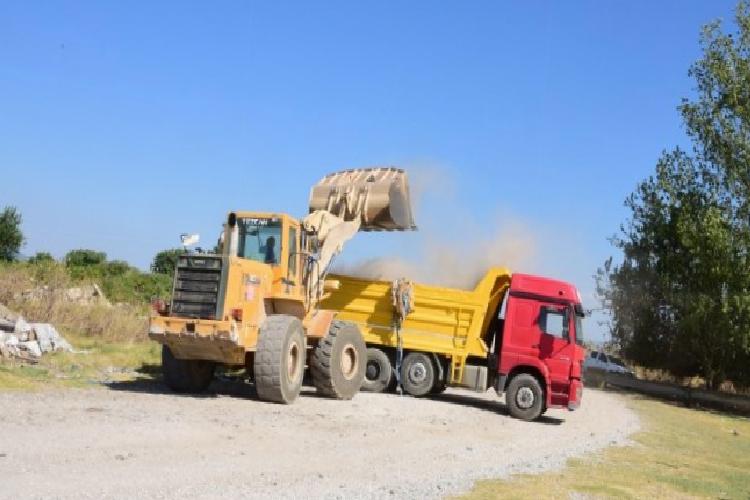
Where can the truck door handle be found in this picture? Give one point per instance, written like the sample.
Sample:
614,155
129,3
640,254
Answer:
535,346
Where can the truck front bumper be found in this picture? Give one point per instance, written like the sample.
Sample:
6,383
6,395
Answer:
575,395
199,339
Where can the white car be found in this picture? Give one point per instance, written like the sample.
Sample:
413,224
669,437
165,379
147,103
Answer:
606,362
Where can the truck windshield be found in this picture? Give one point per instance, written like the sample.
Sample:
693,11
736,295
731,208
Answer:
259,239
579,329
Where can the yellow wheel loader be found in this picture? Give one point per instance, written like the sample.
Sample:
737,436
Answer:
255,303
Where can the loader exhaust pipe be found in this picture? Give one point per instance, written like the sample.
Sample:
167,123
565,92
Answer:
378,197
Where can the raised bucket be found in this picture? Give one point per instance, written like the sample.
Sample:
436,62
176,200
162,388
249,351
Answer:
378,196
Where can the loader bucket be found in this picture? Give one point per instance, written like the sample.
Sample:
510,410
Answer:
379,197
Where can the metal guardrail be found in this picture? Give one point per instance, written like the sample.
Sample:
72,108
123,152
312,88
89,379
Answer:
689,396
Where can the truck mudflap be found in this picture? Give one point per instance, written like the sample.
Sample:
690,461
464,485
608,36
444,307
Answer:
198,339
575,394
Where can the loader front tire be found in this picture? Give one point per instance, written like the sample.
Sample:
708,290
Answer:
185,375
339,360
378,371
279,362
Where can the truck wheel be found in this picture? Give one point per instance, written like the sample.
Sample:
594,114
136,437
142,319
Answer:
439,387
525,398
280,359
378,371
185,375
339,361
417,374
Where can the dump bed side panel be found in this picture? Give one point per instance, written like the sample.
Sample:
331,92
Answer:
444,320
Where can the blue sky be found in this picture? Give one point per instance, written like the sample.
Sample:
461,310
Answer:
125,124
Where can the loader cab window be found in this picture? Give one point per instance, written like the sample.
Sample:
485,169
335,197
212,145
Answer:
293,254
260,240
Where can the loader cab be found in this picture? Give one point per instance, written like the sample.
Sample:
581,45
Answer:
271,239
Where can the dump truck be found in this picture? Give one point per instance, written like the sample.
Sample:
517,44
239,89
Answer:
517,333
255,303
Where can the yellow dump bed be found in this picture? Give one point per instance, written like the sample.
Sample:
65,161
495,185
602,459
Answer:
445,321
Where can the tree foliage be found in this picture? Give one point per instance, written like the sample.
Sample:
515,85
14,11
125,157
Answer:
11,237
83,258
680,300
41,257
165,261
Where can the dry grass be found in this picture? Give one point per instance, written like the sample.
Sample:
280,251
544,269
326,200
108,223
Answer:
119,324
113,339
655,375
101,361
682,453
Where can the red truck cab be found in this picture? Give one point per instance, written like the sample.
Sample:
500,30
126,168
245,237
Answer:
540,346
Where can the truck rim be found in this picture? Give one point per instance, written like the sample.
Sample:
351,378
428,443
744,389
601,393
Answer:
372,372
525,398
417,373
349,361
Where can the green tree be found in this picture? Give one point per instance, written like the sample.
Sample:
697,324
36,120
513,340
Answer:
84,258
41,257
165,261
680,300
11,237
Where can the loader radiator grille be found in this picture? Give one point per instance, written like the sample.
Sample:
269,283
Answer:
197,283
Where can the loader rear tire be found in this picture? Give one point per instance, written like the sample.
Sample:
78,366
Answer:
279,362
185,375
378,371
417,374
339,360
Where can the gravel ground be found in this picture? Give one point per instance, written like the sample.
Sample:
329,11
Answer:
136,441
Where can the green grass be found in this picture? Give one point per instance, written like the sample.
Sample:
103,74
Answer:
102,361
680,453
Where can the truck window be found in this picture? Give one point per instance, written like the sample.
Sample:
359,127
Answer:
579,329
554,322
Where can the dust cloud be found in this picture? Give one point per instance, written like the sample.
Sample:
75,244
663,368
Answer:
455,245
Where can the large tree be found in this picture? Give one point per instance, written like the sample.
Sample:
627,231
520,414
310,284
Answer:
165,261
680,299
11,237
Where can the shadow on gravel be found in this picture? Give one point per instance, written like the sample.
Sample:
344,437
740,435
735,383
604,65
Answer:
149,381
491,406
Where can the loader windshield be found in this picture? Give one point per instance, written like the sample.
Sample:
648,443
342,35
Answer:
259,239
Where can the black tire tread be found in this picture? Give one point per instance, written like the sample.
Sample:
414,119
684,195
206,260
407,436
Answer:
185,375
384,381
321,364
510,397
269,358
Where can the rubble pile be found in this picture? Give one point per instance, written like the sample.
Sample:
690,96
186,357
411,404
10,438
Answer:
27,341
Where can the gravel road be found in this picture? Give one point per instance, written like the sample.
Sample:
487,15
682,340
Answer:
137,441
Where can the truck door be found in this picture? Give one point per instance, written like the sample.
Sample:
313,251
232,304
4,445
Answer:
555,348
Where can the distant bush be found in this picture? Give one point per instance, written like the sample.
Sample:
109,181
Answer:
40,257
83,258
165,261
